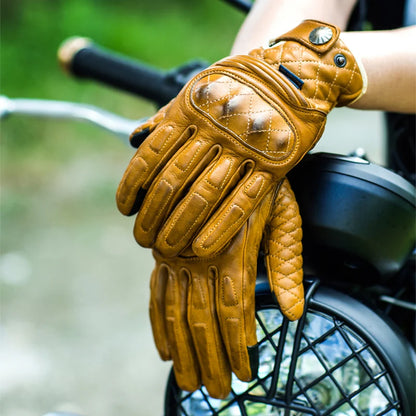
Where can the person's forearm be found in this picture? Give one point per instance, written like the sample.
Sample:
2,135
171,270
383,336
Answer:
389,59
270,18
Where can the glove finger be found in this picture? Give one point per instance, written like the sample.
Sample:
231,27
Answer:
232,214
214,365
185,362
169,186
236,294
158,283
284,253
142,131
193,210
149,159
238,335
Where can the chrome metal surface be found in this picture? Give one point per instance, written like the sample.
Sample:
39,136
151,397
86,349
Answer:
398,302
340,60
120,126
320,35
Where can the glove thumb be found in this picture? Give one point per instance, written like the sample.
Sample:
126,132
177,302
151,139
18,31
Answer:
283,247
141,132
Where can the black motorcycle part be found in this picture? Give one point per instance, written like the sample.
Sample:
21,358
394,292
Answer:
304,379
356,215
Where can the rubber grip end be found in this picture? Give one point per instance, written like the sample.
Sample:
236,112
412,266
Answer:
69,48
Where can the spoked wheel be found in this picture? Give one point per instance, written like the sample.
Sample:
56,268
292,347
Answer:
339,359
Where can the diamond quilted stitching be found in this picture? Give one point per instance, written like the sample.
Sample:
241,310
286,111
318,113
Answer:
242,111
285,253
309,66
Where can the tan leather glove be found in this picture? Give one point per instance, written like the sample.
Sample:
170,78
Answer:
232,132
203,309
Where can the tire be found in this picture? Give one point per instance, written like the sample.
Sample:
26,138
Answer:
340,359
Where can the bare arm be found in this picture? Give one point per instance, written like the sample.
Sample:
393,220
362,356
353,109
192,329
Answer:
271,18
389,57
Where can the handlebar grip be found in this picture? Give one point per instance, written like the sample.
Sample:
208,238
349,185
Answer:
243,5
80,57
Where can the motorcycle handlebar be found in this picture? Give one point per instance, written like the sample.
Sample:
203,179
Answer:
243,5
82,58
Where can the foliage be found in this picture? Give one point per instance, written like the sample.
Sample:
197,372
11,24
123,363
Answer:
78,289
162,33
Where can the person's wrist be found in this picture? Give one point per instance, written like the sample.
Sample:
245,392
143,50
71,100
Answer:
360,64
314,53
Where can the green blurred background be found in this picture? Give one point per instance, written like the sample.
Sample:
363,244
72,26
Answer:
75,334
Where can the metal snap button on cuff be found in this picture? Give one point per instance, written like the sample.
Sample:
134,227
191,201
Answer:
320,35
340,60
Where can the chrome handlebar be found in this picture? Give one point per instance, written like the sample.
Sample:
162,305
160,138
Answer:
119,126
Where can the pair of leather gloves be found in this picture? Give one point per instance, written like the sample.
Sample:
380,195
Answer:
208,186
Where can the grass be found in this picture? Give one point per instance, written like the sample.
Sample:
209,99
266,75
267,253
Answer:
75,321
162,33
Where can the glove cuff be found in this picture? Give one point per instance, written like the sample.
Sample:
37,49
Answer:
315,35
314,59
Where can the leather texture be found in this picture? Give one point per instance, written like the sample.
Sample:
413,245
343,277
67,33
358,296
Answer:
232,133
203,309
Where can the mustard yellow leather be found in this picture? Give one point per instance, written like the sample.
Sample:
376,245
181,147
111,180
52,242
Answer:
203,309
282,243
230,135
